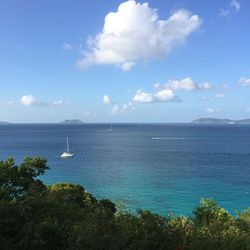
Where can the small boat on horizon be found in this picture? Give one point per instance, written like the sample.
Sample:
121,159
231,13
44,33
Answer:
67,154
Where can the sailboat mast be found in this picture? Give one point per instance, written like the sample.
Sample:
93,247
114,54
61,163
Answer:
67,143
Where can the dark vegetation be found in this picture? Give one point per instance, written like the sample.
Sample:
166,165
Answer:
65,216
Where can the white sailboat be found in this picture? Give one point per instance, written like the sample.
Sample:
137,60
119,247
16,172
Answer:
111,127
67,154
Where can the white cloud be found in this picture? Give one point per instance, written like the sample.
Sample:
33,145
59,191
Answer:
187,84
134,33
57,103
128,106
67,46
224,12
212,110
119,109
204,86
220,95
166,93
106,99
235,4
30,100
115,109
7,103
143,97
163,95
27,100
244,81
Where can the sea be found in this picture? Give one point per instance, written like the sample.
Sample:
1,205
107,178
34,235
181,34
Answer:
164,168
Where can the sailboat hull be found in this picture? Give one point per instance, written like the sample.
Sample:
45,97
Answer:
66,155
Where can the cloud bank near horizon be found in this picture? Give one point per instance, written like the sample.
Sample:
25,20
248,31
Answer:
30,100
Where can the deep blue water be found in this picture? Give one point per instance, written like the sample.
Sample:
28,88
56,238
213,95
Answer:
163,168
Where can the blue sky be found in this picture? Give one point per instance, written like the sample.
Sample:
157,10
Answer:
154,61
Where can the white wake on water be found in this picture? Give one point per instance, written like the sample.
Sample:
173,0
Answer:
173,138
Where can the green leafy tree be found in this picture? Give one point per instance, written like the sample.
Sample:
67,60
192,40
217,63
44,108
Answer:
65,216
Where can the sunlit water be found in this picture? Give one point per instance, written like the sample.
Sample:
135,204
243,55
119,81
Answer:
163,168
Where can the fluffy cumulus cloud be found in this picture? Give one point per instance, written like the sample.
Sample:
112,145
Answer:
187,84
163,95
166,93
106,99
134,32
119,109
212,110
143,97
244,81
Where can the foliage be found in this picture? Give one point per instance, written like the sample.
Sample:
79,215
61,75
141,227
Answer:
65,216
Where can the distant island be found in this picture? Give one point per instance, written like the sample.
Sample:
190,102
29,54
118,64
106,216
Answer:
220,121
208,121
72,122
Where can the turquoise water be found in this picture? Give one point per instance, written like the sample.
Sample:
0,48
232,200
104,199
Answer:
164,168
